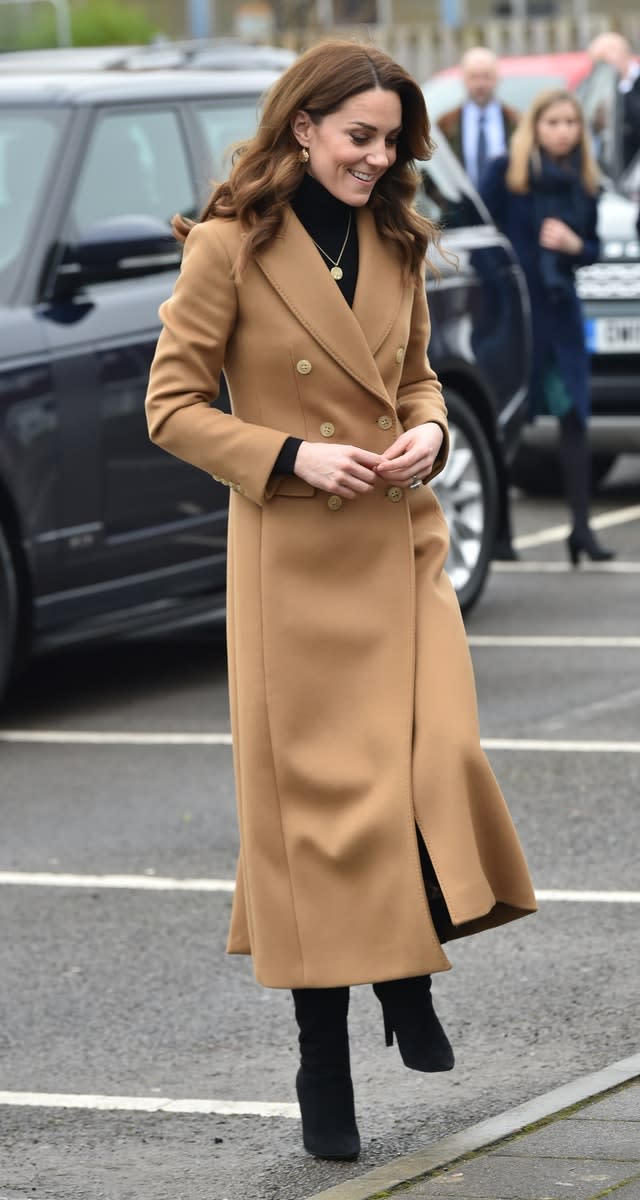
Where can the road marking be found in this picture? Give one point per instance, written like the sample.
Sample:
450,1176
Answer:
555,641
156,883
148,883
574,897
535,567
611,704
559,747
70,737
558,533
87,737
151,1104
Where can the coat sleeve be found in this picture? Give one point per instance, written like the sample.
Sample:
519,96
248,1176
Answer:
420,391
184,382
590,252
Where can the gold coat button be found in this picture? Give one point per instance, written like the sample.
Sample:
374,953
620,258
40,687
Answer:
303,366
334,502
394,494
385,422
399,354
327,429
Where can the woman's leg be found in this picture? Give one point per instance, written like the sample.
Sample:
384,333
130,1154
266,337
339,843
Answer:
575,456
323,1082
407,1004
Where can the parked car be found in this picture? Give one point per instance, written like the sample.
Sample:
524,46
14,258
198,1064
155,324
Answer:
610,288
101,533
223,54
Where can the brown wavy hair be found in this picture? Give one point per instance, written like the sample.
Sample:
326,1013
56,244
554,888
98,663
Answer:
524,143
267,169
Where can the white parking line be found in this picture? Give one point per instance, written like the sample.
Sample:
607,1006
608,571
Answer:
73,737
558,533
151,1104
539,745
88,737
575,897
562,641
156,883
144,883
535,567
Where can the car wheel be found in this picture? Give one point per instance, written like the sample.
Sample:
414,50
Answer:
8,611
468,492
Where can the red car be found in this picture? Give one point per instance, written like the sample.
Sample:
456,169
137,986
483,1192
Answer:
521,77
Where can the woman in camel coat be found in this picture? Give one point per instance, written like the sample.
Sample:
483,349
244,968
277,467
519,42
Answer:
361,784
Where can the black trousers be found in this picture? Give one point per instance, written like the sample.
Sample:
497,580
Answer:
437,905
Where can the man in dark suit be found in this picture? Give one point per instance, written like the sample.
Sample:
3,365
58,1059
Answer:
479,129
614,49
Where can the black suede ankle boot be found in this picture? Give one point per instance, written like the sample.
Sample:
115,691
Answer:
323,1082
409,1013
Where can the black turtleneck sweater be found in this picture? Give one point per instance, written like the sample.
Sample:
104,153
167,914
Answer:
326,220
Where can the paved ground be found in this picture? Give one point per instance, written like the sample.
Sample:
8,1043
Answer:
122,996
592,1152
580,1141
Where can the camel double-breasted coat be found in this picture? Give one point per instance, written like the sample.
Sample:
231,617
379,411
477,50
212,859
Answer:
352,697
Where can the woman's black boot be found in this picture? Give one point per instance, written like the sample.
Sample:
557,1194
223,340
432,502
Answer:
323,1082
576,465
583,542
409,1013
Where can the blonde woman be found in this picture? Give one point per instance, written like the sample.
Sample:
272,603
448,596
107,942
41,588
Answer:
355,734
543,195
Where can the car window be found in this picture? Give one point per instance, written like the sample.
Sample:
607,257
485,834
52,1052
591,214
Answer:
28,140
135,165
445,194
224,125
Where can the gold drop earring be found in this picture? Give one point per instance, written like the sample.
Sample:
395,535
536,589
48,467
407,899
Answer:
304,155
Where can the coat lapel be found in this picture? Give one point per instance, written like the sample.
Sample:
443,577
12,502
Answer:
294,268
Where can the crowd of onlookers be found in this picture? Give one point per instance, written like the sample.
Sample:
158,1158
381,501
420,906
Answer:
538,175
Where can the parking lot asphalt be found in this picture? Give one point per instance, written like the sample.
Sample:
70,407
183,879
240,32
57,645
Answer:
116,995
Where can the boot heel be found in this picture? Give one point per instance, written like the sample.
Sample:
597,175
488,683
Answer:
408,1012
585,543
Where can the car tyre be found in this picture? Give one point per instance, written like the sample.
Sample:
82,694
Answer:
468,493
8,611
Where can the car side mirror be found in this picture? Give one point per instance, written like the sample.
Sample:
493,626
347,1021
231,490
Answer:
116,249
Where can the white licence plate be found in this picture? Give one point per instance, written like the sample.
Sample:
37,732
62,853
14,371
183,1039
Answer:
613,335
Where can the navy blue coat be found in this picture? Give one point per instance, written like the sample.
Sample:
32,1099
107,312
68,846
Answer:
558,330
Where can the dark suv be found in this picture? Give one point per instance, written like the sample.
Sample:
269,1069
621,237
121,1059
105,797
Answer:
102,533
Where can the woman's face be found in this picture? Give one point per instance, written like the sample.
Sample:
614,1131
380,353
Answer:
559,129
351,148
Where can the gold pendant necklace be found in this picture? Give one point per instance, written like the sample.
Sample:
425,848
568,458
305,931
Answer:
336,271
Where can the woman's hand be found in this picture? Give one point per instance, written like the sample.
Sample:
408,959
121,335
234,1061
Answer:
555,235
412,455
343,470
